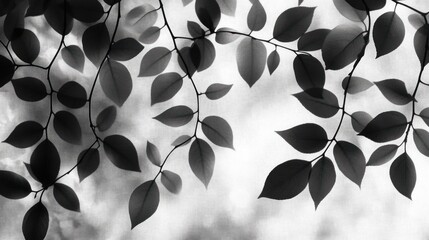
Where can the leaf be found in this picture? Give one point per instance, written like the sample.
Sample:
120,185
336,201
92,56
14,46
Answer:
66,197
176,116
25,134
125,49
14,20
403,175
251,59
217,90
257,17
382,155
29,89
186,2
45,162
207,53
273,61
13,186
115,81
36,222
186,64
171,181
421,139
106,118
7,69
154,62
182,140
356,84
121,152
142,17
416,20
88,161
143,202
72,95
367,4
96,42
342,46
73,56
350,12
227,7
319,102
309,72
359,120
386,126
26,45
287,180
312,41
322,180
218,131
202,160
224,35
195,29
306,138
150,35
54,15
421,44
153,154
165,86
395,91
424,114
67,127
350,160
293,23
87,11
28,167
388,33
208,12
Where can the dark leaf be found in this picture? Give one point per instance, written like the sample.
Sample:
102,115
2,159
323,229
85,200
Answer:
217,90
403,175
208,12
195,29
150,35
306,138
227,7
26,45
88,161
125,49
45,162
29,89
7,70
182,140
359,120
421,139
424,114
251,60
367,4
171,181
350,12
72,95
313,40
207,54
202,160
121,152
115,81
309,72
96,42
218,131
287,180
322,179
388,33
14,20
350,160
74,57
36,222
6,6
187,65
13,186
356,84
154,62
395,91
111,2
273,61
142,17
28,167
176,116
421,44
320,102
25,134
386,126
165,86
67,127
106,118
143,202
87,11
382,155
223,35
257,17
66,197
153,154
54,15
293,23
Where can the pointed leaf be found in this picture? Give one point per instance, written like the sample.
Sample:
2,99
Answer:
424,114
153,154
356,84
359,120
322,179
45,162
217,90
273,61
257,17
66,197
115,81
421,139
73,56
176,116
195,29
96,42
202,160
251,60
25,134
320,102
121,152
143,202
218,131
403,175
54,15
150,35
395,91
88,161
382,155
67,127
386,126
388,33
142,17
224,35
125,49
350,161
207,53
309,72
182,140
171,181
306,138
13,186
72,95
154,62
208,12
312,41
227,7
293,23
7,69
106,118
29,89
186,63
350,12
26,45
36,222
421,44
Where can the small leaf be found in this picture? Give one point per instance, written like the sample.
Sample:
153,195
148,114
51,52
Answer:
25,134
388,33
29,89
416,20
224,35
106,118
421,139
121,152
186,2
67,127
142,17
287,180
182,140
13,186
382,155
350,161
273,61
125,49
26,45
176,116
88,161
421,44
350,12
218,131
386,126
306,138
195,29
312,41
74,57
143,202
202,160
424,114
320,102
154,62
72,95
257,17
96,42
309,72
7,69
45,162
227,7
87,11
171,181
207,53
36,222
322,179
403,175
356,84
367,4
150,35
54,15
359,120
153,154
208,12
251,60
115,81
395,91
217,90
293,23
66,197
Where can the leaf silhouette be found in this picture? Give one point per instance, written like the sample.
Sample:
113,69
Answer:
74,57
403,175
257,17
106,118
388,33
223,35
72,95
386,126
421,44
25,134
45,162
424,114
208,12
87,11
421,139
150,35
202,160
153,154
382,155
29,89
350,161
319,102
187,65
125,49
171,181
293,23
227,7
26,45
89,160
13,186
66,197
67,127
287,180
217,90
356,84
176,116
96,42
309,72
142,17
218,131
143,202
359,120
154,62
7,70
367,4
312,41
115,81
350,12
251,59
207,53
395,91
14,20
273,61
54,15
121,152
306,138
195,29
36,222
322,180
181,140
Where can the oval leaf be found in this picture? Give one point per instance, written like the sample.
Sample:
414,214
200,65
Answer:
154,62
218,131
142,17
309,72
386,126
121,152
96,42
424,114
208,12
322,179
74,57
195,29
176,116
207,54
313,40
251,59
66,197
143,202
165,86
388,33
273,61
67,127
45,162
350,161
421,44
150,35
185,61
306,138
115,81
382,155
224,35
125,49
36,222
25,134
356,84
87,163
293,23
29,89
202,160
106,118
257,16
54,15
13,186
320,102
421,139
171,181
72,95
217,90
26,45
403,175
395,91
153,154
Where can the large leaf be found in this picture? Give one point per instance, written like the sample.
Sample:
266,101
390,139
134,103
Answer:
72,95
287,180
322,179
121,152
67,127
66,197
342,46
386,126
202,160
25,134
369,5
217,90
74,57
382,155
251,59
96,42
208,12
359,120
293,23
176,116
142,17
309,72
320,102
218,131
36,222
87,11
273,61
154,62
143,202
306,138
350,161
395,91
7,70
227,7
29,89
313,40
349,12
115,81
125,49
88,161
257,17
54,15
355,84
26,45
421,44
171,181
106,118
421,139
45,162
403,175
153,154
388,33
13,186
